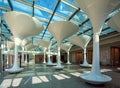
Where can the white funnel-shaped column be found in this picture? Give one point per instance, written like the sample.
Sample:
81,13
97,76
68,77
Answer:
67,48
8,50
22,60
49,60
114,22
16,65
22,25
82,41
10,45
97,11
44,59
15,68
23,44
49,54
61,30
59,65
45,44
28,47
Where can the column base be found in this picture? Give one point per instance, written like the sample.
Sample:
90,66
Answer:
68,63
51,64
24,64
44,62
14,70
58,67
86,65
95,79
118,68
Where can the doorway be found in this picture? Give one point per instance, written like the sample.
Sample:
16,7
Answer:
115,56
79,57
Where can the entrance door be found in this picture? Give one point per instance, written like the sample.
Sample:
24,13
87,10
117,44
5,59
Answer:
115,56
39,59
79,57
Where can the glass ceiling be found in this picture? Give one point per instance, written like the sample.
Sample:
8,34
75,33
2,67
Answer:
48,11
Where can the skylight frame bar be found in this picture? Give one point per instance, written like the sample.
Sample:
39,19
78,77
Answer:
51,17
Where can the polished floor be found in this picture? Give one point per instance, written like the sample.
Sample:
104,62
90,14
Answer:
43,76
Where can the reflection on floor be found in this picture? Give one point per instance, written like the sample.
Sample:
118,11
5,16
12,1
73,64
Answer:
43,76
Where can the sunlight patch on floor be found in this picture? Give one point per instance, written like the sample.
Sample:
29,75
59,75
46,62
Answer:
44,78
16,82
58,77
65,76
36,80
86,71
77,74
105,70
6,83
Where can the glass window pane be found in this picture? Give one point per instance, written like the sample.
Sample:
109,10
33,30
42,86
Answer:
4,3
65,10
49,4
42,14
22,7
80,17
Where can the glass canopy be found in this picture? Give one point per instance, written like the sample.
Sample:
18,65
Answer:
48,11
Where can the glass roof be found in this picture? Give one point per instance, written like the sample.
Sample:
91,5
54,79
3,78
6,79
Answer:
48,11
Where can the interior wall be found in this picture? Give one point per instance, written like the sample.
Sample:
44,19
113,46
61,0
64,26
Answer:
39,59
105,55
89,55
72,57
115,56
105,49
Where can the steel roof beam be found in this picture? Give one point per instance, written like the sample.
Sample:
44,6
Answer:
33,8
51,17
86,30
74,14
10,4
84,22
7,29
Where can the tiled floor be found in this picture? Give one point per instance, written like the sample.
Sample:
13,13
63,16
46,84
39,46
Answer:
42,76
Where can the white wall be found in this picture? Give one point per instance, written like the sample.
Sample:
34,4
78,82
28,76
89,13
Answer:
72,57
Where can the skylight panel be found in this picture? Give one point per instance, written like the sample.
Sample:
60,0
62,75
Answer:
56,18
90,32
21,7
88,23
4,3
65,10
107,31
42,14
80,17
50,4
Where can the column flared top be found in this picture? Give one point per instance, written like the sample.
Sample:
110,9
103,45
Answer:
62,29
66,47
43,43
30,46
97,11
114,22
25,42
81,40
10,44
22,25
